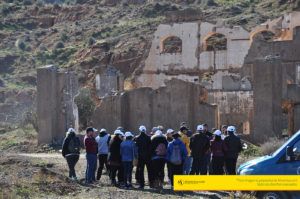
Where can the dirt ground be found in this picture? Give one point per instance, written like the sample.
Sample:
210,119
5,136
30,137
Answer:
44,175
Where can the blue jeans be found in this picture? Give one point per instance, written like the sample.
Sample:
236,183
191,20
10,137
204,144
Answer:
127,168
187,165
91,165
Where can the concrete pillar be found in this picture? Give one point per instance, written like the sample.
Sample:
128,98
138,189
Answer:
56,109
267,92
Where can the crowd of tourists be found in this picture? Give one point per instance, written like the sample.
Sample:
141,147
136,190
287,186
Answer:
182,152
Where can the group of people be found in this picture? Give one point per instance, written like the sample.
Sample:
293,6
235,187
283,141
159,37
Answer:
183,151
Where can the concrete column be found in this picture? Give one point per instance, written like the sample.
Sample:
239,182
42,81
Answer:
56,109
267,85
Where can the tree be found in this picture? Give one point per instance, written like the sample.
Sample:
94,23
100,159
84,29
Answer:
86,107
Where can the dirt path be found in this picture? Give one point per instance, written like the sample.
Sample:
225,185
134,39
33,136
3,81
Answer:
103,188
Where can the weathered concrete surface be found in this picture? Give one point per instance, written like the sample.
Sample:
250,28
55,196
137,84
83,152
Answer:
282,27
168,106
194,59
235,108
56,109
273,68
109,81
267,84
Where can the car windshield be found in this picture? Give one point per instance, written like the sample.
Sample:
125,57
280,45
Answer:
285,144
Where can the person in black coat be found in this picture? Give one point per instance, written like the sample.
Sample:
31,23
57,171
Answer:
199,145
71,151
159,145
234,147
114,158
143,143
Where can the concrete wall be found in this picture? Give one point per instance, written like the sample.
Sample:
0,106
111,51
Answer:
237,47
282,27
235,107
168,106
108,81
56,109
161,67
156,61
268,116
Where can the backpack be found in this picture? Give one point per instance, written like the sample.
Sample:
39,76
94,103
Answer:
161,150
74,145
175,157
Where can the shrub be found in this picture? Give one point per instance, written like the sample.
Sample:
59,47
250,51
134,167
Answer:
30,117
20,44
271,145
59,44
27,2
85,106
64,37
91,41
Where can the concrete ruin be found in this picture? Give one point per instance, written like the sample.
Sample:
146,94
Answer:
274,68
178,101
252,78
56,110
108,81
226,61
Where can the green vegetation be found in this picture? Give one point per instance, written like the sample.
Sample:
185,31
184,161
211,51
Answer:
85,105
17,137
58,56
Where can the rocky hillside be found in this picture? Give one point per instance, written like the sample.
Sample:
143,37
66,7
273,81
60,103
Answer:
80,35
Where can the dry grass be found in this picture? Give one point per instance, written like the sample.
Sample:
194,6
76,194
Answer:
271,145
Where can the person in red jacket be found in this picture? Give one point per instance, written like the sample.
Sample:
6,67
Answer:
218,150
91,148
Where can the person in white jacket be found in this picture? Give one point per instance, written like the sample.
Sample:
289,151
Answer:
103,141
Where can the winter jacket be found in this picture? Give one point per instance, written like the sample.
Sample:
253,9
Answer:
114,155
128,151
65,146
183,150
186,141
234,146
143,144
218,148
155,141
90,145
199,145
103,141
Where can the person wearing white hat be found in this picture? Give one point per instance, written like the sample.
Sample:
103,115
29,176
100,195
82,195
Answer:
128,154
169,136
114,158
176,155
199,145
143,143
234,146
103,140
159,146
218,150
71,151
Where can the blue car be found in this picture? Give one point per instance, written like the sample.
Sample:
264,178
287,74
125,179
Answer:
284,161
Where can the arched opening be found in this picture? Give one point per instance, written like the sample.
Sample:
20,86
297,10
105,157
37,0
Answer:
171,45
264,35
216,42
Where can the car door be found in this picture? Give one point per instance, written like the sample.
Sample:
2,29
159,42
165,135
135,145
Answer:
289,167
